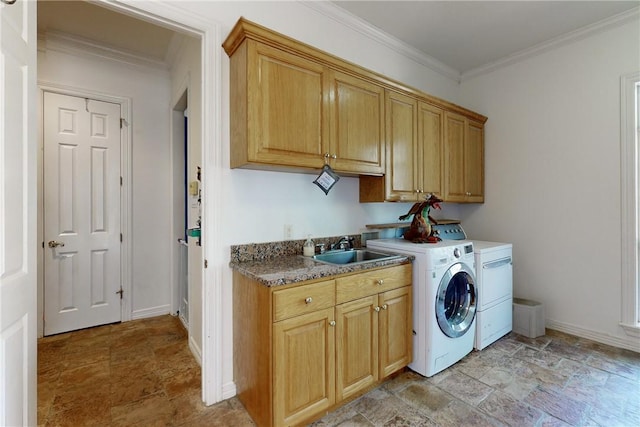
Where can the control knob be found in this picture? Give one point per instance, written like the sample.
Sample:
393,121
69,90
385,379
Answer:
456,253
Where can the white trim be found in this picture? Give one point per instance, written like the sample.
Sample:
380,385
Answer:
213,329
361,26
627,343
126,212
84,48
629,203
213,249
195,350
145,313
229,390
554,43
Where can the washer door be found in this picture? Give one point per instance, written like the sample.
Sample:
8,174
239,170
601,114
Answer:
456,301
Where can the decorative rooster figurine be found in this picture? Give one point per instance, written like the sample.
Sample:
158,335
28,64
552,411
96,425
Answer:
420,229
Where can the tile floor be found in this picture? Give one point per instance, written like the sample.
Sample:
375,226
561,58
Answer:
141,373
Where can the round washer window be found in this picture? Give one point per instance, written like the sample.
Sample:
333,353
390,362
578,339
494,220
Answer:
456,301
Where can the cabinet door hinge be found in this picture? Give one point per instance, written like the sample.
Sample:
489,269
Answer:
206,263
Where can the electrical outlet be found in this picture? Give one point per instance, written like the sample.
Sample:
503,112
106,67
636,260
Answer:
288,231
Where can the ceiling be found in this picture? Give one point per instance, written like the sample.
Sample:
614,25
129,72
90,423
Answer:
103,26
465,35
462,35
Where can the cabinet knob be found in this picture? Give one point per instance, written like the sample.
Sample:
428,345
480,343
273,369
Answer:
380,282
308,300
384,306
468,193
376,308
333,156
332,323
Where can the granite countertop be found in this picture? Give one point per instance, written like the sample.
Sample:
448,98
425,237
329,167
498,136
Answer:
282,263
297,268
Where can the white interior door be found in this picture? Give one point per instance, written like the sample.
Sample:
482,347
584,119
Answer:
81,213
18,173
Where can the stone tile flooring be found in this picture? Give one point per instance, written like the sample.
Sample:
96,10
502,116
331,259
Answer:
142,373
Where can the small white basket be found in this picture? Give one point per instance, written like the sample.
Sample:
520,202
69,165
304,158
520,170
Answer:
528,318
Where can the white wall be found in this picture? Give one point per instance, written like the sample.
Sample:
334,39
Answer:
149,91
553,177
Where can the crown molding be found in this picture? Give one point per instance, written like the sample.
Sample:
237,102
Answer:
357,24
571,37
78,46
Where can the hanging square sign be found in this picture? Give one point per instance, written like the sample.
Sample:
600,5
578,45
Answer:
326,179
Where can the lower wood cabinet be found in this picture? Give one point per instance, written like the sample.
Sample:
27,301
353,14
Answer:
304,366
373,340
307,348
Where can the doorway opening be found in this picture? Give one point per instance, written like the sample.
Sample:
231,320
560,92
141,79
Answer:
180,146
209,290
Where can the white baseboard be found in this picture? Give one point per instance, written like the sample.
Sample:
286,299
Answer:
627,343
228,390
151,312
197,352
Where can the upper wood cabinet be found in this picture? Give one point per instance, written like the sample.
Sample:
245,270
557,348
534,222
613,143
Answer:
464,159
292,111
279,109
414,140
295,108
357,125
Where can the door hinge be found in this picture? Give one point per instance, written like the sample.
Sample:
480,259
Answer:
120,237
120,181
121,123
43,244
206,263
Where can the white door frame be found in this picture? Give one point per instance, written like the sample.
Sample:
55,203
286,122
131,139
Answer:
126,213
210,34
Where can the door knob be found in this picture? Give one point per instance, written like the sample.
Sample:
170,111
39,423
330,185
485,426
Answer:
54,244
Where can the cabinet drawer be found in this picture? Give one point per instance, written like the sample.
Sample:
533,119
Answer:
372,282
303,299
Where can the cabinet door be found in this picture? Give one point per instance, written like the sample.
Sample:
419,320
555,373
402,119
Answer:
401,133
304,366
357,346
357,112
396,330
287,111
464,159
474,161
430,153
454,158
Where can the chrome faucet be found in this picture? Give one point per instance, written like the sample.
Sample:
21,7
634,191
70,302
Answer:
344,243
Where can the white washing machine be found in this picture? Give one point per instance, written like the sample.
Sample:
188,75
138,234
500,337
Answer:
494,284
444,301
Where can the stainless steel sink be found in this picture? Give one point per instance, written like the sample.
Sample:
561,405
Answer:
353,256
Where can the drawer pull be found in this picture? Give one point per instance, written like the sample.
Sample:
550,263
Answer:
384,306
308,300
376,308
332,323
380,282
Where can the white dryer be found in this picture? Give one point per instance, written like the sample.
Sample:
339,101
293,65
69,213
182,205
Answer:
444,301
494,274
